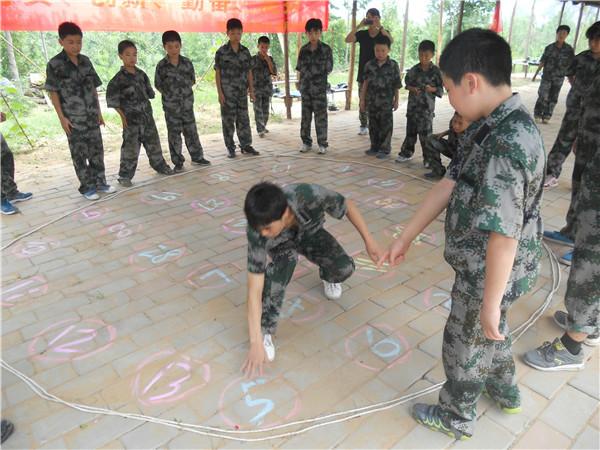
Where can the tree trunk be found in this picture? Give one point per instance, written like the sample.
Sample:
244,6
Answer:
512,19
352,57
581,8
439,42
44,49
461,10
404,31
12,62
531,16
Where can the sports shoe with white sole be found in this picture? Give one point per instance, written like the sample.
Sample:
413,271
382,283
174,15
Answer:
553,357
269,347
305,148
562,319
91,195
333,291
322,150
401,158
363,131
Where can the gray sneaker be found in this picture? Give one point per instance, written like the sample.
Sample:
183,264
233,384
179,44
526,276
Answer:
561,319
401,159
305,148
552,357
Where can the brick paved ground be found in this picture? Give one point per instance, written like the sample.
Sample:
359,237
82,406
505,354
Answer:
137,304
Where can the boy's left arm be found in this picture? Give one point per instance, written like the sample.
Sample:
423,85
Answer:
97,83
356,218
149,90
329,63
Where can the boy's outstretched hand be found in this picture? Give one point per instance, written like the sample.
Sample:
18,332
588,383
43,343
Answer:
374,251
254,361
396,253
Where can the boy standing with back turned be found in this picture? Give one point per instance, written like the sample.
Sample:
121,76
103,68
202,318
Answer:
492,196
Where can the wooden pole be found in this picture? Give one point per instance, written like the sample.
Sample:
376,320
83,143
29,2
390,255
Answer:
597,14
581,8
404,31
531,16
439,42
286,56
512,21
352,58
44,49
461,10
562,11
12,62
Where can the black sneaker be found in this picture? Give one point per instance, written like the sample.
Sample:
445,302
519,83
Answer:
166,170
431,417
434,175
201,162
125,182
249,150
231,153
371,152
7,430
178,168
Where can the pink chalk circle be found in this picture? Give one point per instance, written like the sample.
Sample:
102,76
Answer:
151,256
173,377
28,249
72,340
393,347
91,213
387,202
121,230
210,276
236,225
259,407
22,290
389,184
161,197
300,308
209,205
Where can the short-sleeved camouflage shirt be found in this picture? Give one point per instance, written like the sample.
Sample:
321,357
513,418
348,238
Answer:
556,60
383,81
314,67
131,92
175,84
498,189
234,68
423,104
309,203
76,86
585,68
263,84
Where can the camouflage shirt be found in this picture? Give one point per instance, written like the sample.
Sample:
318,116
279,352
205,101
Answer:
556,60
175,84
263,85
314,66
76,86
499,176
131,93
233,67
383,81
423,104
309,203
584,68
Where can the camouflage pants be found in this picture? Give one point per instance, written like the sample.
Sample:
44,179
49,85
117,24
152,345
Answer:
134,136
547,97
566,136
9,187
381,127
322,249
314,104
261,105
416,127
363,116
87,154
434,148
234,117
582,298
473,363
183,124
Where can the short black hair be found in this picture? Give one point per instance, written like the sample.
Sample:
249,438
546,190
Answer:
264,40
170,36
313,24
373,12
381,39
234,24
479,51
566,28
426,46
69,29
124,45
593,32
265,203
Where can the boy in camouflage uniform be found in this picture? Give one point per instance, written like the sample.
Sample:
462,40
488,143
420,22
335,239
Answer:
379,94
281,224
436,145
582,298
492,192
263,69
129,92
424,83
174,78
10,193
315,62
72,81
555,61
586,68
233,75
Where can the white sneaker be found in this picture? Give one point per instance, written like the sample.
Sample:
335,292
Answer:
91,195
363,131
550,182
333,291
269,347
305,148
401,159
322,150
106,189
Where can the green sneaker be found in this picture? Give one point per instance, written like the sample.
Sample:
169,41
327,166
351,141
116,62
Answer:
503,408
552,357
431,417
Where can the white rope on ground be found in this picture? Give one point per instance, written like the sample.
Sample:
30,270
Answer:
319,421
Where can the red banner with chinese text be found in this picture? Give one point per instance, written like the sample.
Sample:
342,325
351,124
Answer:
264,16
